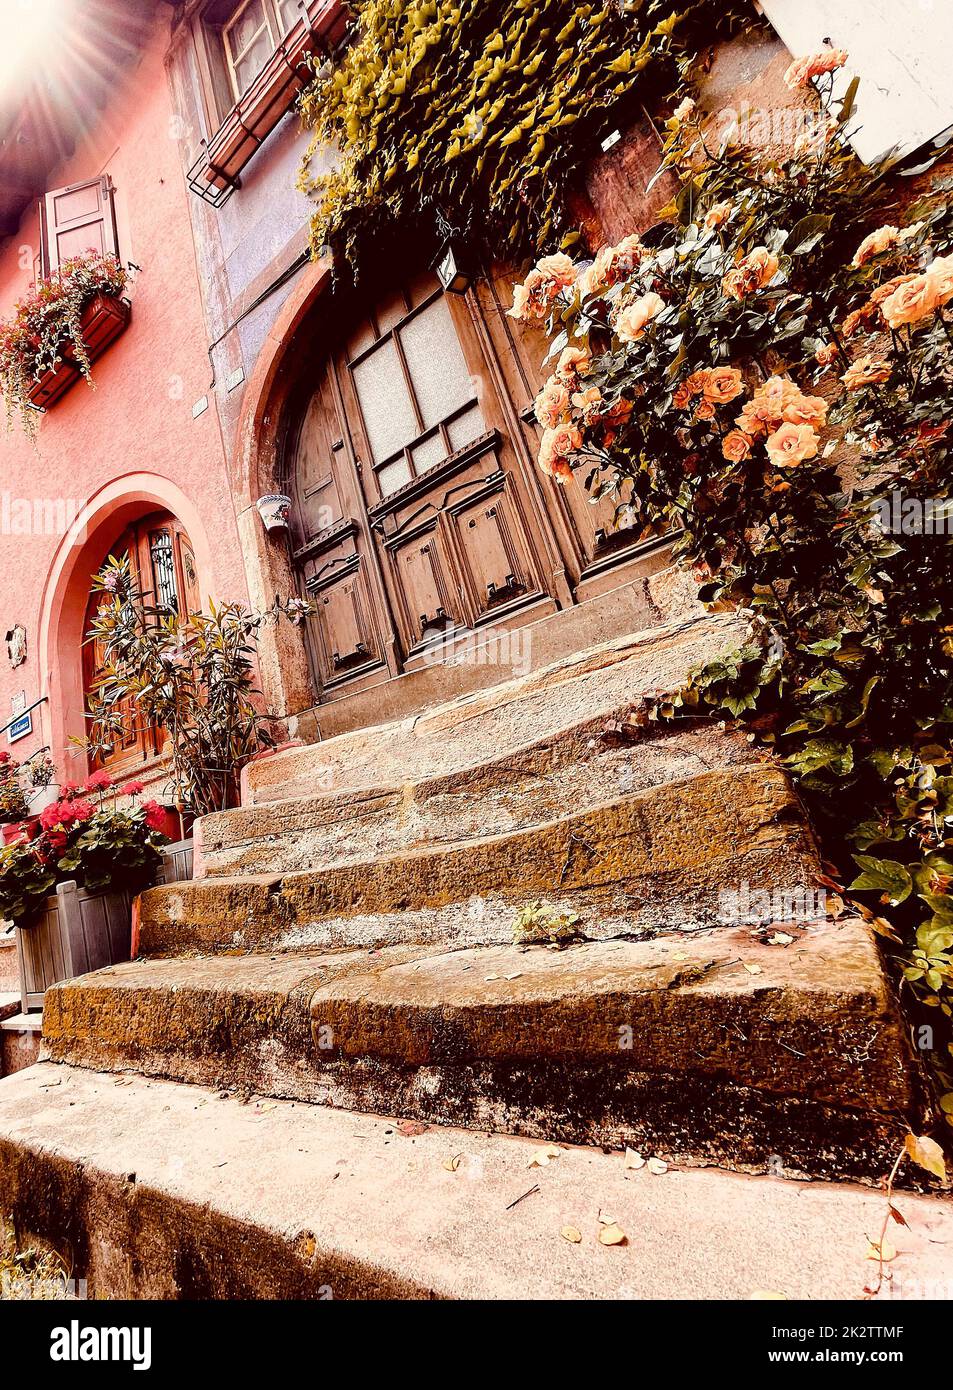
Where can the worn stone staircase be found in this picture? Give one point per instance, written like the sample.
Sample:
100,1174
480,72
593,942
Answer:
208,1119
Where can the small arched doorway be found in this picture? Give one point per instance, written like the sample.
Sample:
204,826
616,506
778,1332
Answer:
162,565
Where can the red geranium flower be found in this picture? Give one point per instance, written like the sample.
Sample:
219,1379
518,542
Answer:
154,815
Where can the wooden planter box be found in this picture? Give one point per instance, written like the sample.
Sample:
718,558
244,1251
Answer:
176,862
76,932
102,322
215,174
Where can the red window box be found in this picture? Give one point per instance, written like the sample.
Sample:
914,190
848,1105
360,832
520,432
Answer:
321,28
104,318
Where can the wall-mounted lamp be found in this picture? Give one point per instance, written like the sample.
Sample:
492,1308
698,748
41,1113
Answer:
273,509
452,268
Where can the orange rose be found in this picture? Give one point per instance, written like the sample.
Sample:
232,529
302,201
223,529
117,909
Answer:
551,404
801,71
912,302
718,215
866,371
631,323
736,446
612,264
554,448
825,354
752,273
723,385
885,290
558,269
684,110
875,243
805,410
587,403
543,284
696,383
573,362
704,410
791,444
940,272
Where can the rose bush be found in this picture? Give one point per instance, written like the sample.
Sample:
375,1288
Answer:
787,396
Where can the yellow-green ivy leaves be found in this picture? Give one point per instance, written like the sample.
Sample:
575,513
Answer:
482,112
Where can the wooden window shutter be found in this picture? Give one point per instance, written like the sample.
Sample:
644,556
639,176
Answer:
76,219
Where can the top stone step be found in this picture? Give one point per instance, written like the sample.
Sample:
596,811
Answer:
578,693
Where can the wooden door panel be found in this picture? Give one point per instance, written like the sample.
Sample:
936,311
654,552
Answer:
493,551
344,636
423,584
316,491
595,520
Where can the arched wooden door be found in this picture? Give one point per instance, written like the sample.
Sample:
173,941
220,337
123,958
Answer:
419,514
162,564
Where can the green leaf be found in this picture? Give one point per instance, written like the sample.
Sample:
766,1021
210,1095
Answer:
886,876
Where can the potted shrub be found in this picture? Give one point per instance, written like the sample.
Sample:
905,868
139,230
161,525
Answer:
190,675
58,330
42,788
69,890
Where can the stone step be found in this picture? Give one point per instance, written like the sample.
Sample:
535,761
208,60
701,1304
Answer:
517,790
162,1190
657,859
719,1046
576,693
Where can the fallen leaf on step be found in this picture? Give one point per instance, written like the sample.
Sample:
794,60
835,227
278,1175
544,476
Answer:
679,955
452,1164
751,969
410,1128
658,1166
266,1105
898,1216
780,938
543,1156
633,1159
571,1234
491,977
877,1251
514,977
612,1235
927,1153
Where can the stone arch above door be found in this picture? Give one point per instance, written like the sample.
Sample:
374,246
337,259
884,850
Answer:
397,562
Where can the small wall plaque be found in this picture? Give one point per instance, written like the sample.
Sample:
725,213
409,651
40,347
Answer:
16,645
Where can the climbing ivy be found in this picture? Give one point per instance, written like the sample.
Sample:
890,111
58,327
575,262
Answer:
480,114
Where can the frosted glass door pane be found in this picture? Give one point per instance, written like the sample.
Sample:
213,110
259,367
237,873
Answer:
465,428
382,391
436,364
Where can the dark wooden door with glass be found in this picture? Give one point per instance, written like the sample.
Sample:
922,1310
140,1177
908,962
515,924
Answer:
162,566
412,522
419,515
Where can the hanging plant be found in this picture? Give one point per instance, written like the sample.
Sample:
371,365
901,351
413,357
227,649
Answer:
483,113
47,324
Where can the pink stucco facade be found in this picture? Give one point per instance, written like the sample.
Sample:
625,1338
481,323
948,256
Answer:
132,445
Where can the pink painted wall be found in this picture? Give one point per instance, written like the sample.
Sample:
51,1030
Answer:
132,444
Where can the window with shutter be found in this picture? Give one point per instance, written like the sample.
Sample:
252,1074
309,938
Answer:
898,48
77,219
